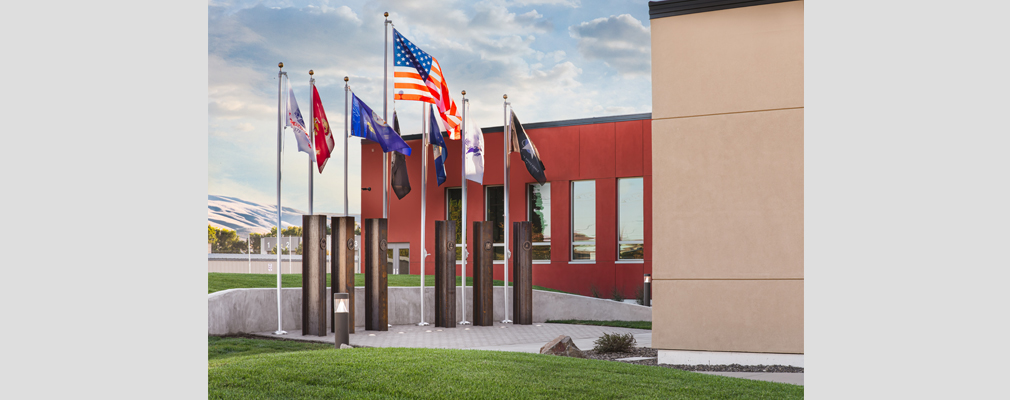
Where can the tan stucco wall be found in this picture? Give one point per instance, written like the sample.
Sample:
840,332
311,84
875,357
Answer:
728,180
742,59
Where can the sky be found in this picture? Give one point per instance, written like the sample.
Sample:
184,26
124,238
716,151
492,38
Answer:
556,60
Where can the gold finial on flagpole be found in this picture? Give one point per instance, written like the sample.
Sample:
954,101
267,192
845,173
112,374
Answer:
385,14
505,96
280,65
346,79
311,72
464,92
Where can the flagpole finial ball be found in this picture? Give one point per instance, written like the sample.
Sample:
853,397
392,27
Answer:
385,14
280,65
464,92
311,72
505,96
346,79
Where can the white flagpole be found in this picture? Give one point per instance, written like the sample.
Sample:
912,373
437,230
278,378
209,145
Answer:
462,214
505,134
312,85
346,103
424,190
385,115
279,331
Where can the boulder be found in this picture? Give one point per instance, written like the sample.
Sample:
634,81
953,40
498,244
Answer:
345,346
562,346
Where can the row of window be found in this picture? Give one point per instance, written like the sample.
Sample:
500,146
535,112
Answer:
630,243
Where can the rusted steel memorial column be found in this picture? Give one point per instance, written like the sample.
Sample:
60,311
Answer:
314,275
483,290
376,286
522,273
445,274
342,264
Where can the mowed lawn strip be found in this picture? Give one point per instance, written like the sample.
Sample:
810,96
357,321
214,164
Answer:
219,347
619,324
377,373
217,281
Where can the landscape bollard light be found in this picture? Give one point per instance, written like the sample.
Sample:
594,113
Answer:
647,292
341,311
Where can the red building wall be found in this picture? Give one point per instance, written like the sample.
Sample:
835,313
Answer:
601,151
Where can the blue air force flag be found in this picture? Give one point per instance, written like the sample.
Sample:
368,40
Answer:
367,124
439,150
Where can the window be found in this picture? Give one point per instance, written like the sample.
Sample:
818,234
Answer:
630,219
538,204
494,212
453,209
583,220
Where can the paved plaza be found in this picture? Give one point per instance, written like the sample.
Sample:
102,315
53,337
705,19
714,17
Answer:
504,337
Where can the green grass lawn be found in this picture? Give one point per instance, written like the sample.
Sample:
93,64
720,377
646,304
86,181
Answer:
217,281
245,369
619,324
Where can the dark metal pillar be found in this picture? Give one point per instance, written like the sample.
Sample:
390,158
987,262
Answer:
313,275
445,274
342,263
483,288
376,286
647,291
522,273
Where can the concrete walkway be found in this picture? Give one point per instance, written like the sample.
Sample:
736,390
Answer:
504,337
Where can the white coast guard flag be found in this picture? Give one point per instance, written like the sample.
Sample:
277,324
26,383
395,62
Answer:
473,143
297,125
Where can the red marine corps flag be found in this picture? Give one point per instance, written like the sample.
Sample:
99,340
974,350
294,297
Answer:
321,131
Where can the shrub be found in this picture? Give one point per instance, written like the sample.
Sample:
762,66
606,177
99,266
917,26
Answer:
594,291
640,295
614,343
616,295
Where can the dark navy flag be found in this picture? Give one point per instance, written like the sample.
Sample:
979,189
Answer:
400,182
440,151
367,124
527,151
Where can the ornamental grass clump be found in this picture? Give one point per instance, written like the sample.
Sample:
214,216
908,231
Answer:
614,343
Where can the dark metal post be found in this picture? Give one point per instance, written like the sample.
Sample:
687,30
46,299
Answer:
647,291
342,263
314,275
341,335
522,273
376,286
483,288
445,274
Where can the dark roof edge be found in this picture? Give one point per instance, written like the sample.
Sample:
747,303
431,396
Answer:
670,8
551,124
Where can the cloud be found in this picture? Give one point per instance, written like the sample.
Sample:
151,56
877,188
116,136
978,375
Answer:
244,127
563,3
622,42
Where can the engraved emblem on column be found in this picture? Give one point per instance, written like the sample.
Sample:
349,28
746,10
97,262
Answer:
350,244
527,245
487,245
382,245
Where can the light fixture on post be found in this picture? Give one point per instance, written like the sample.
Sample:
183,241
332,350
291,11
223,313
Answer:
647,292
341,312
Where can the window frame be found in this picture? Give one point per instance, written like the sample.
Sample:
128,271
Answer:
487,205
618,228
529,209
571,224
446,195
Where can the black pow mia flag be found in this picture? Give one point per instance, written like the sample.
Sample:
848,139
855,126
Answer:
400,182
527,151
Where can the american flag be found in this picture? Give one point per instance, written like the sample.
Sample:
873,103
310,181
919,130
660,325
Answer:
418,76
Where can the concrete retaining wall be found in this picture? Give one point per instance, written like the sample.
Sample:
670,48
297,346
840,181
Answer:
255,310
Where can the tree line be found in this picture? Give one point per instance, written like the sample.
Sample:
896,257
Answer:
227,241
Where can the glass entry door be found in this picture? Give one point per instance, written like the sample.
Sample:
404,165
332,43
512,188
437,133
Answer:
398,258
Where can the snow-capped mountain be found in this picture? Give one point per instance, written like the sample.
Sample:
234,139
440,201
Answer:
247,217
